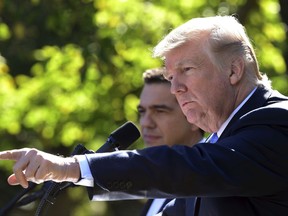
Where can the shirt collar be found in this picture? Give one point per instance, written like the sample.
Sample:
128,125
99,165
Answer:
224,125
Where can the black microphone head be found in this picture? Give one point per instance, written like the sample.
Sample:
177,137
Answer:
125,135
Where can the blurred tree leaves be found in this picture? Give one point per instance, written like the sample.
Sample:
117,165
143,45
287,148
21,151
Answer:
71,71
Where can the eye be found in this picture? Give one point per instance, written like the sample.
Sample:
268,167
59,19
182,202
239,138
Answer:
161,110
169,77
186,69
141,111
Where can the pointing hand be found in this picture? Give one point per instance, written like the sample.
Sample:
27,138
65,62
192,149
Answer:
38,166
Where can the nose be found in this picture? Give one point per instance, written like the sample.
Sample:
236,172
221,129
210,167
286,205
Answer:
177,86
146,120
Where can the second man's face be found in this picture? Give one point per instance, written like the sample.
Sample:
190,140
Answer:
161,119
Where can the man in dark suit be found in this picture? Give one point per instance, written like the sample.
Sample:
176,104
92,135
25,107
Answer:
158,112
215,77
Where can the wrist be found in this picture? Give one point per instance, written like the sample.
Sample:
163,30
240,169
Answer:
73,170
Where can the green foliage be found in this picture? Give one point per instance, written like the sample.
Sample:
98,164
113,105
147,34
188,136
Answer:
71,71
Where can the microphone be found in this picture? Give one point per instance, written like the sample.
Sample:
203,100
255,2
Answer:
121,138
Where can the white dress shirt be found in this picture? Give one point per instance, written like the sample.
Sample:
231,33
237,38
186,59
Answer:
155,206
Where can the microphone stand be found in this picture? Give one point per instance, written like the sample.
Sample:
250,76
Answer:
53,190
48,192
14,201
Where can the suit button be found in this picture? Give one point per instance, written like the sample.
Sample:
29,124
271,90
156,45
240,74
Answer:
122,185
113,185
129,185
109,185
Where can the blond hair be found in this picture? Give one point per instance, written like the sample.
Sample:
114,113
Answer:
221,37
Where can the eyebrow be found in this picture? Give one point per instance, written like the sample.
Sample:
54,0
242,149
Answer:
178,65
161,106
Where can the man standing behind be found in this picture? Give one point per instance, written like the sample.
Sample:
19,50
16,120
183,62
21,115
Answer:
161,118
162,122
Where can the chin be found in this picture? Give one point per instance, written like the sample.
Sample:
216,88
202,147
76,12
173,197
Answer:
191,119
153,144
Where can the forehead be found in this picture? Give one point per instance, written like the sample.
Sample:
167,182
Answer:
156,93
188,53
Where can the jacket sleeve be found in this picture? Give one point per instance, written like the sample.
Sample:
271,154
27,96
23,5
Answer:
251,160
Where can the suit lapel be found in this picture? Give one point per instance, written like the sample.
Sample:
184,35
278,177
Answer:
258,99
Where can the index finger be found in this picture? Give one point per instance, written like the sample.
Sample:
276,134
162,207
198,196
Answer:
14,154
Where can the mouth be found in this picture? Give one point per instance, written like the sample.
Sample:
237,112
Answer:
150,138
185,103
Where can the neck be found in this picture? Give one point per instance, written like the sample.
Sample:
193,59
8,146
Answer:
241,94
196,139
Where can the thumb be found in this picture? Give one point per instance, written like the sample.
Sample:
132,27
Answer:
12,180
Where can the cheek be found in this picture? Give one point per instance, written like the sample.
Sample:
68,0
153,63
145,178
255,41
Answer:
214,86
163,123
167,124
218,95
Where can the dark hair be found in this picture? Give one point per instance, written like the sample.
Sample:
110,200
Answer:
155,75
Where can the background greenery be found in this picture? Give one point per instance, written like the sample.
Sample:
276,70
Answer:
71,72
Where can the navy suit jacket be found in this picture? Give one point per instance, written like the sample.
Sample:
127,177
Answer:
244,173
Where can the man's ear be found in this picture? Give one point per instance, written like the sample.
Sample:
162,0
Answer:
237,71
